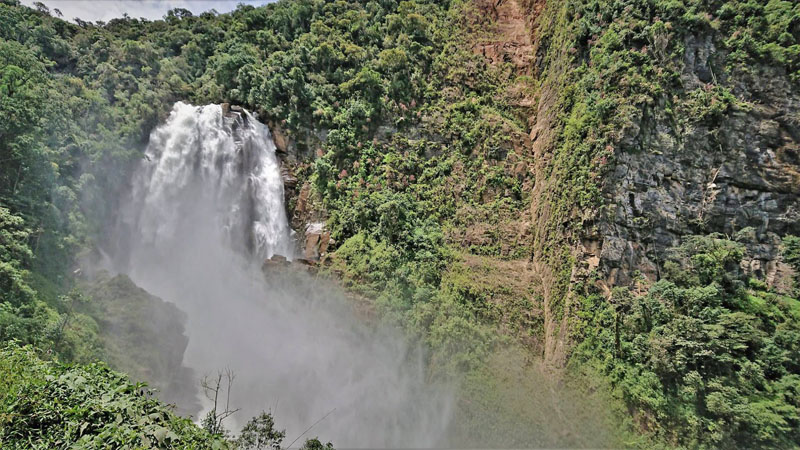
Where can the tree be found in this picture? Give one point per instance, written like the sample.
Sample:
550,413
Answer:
14,256
260,433
702,357
316,444
214,389
47,404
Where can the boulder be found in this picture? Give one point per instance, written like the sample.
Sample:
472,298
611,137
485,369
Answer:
317,240
279,138
275,262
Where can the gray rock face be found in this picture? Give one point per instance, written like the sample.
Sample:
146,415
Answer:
675,177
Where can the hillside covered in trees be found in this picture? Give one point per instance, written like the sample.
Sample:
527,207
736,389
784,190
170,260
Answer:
586,212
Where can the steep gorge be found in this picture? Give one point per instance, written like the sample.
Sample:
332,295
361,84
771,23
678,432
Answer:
640,130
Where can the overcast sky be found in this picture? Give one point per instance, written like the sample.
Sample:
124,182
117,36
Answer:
92,10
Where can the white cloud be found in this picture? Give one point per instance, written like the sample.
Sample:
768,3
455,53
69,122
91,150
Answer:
93,10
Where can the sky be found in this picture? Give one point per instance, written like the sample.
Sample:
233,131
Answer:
93,10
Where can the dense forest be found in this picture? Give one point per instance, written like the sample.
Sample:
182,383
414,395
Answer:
459,153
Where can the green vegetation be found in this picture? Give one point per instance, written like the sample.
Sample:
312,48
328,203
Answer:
706,359
702,359
24,316
614,64
791,254
45,405
436,204
83,98
369,75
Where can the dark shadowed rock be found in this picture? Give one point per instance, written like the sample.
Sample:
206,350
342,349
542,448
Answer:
144,337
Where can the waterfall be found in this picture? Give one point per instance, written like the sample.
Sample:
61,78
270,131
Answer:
205,209
219,169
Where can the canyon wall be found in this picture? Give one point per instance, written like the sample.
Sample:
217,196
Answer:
739,174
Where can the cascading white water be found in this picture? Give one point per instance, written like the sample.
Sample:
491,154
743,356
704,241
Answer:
225,165
206,209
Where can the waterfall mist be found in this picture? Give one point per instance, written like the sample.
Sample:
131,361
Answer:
205,210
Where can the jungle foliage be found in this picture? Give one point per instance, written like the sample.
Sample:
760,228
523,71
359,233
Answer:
707,356
45,405
413,137
703,357
367,75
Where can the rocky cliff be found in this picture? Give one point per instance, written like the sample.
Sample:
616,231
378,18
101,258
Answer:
143,336
652,123
675,176
638,125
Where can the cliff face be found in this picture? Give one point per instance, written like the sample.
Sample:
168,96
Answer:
144,337
637,125
650,123
675,176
